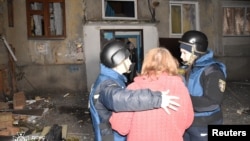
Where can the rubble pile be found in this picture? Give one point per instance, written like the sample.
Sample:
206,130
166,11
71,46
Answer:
20,116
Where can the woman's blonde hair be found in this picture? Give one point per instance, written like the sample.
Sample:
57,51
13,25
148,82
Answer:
159,60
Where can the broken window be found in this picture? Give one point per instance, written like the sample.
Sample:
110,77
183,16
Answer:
184,16
46,19
119,9
236,21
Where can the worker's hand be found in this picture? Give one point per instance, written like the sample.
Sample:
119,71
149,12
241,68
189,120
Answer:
168,101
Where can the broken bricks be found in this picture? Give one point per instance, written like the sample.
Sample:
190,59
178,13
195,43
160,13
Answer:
6,125
19,100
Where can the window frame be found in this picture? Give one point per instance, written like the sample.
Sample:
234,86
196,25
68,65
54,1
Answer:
117,17
46,19
246,7
181,3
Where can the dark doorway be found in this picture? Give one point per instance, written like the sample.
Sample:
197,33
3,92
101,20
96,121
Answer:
172,44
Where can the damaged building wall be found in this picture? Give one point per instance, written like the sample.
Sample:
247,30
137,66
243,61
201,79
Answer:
233,51
39,61
5,78
47,64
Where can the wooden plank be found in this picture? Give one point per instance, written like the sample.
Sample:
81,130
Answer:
64,131
34,112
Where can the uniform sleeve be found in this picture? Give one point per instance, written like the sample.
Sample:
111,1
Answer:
119,99
188,109
212,92
121,122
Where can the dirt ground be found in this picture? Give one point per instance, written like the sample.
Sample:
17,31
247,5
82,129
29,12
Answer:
71,109
236,105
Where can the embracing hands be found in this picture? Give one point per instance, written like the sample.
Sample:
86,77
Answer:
169,102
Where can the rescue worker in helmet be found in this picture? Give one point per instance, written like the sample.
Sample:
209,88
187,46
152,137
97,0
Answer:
206,80
108,93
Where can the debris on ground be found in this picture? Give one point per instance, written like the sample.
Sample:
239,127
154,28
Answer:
20,116
244,111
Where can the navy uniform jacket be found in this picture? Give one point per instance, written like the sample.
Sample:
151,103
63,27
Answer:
108,94
206,84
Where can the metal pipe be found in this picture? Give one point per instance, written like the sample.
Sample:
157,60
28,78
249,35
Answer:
7,45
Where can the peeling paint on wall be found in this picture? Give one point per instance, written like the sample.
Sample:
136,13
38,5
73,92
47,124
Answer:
75,50
42,48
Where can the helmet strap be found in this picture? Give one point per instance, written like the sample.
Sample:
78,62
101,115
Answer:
127,68
122,68
192,57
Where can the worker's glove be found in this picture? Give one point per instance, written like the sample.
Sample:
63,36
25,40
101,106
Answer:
168,102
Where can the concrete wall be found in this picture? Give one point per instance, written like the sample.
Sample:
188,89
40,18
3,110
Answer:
3,49
54,65
235,50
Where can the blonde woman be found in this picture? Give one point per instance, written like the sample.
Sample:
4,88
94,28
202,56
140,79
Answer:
159,72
